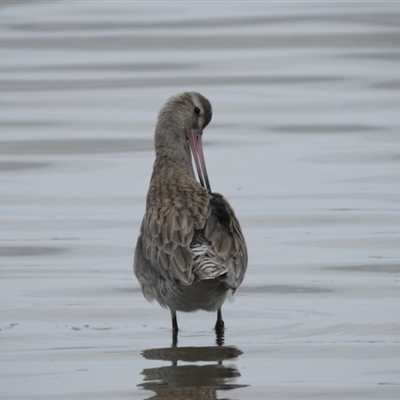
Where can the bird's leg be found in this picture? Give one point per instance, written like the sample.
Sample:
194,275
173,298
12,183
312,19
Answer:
219,328
174,321
174,328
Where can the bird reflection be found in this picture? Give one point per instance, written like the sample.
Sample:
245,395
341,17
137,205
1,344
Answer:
199,378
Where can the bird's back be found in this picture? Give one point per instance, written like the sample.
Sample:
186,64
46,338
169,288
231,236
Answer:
188,238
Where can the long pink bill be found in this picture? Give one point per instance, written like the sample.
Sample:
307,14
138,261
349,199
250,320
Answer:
196,146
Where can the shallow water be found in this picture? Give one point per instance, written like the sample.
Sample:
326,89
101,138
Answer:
304,143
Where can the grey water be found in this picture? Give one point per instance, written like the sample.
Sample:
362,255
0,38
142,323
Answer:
304,143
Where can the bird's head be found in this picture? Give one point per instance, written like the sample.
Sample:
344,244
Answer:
184,116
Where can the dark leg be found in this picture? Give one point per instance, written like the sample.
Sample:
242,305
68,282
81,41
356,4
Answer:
219,328
174,321
174,328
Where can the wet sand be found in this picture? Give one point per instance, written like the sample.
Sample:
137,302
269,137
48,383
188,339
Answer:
304,143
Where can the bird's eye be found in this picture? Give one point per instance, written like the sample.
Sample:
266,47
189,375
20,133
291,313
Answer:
196,110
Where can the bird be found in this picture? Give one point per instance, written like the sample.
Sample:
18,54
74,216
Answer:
190,253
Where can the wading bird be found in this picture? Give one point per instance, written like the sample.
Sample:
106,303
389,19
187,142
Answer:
191,251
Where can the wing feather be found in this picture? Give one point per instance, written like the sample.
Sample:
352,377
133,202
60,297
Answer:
222,229
171,232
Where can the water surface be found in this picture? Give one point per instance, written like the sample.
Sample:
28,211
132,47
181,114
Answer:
304,143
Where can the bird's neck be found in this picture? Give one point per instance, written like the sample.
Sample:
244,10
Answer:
172,169
170,179
172,150
173,172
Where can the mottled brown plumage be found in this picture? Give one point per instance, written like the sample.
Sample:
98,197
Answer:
190,252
